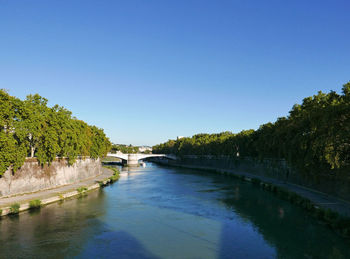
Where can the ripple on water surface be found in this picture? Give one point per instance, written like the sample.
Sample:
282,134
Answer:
157,212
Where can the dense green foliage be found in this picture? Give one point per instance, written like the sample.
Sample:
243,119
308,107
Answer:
14,208
35,204
124,149
31,128
82,189
315,136
115,175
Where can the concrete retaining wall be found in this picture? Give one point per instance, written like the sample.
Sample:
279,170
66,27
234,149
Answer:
32,177
337,184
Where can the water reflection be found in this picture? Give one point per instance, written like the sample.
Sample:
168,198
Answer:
286,228
158,212
52,231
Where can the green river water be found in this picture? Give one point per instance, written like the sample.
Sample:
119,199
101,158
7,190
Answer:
158,212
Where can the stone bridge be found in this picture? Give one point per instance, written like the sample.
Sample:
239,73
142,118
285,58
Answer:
133,159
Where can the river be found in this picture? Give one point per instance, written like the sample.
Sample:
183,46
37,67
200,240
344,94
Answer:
159,212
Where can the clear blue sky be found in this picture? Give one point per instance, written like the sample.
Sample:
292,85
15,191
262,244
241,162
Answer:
147,71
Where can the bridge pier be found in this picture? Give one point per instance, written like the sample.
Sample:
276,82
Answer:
132,160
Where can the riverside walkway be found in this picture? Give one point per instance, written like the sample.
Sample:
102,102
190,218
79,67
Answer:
318,198
55,194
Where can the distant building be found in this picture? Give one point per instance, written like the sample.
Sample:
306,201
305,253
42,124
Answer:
144,149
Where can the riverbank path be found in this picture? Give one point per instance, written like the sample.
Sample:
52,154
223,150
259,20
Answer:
45,194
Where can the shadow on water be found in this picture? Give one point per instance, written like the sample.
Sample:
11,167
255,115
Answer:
150,208
286,228
254,223
45,233
72,229
110,244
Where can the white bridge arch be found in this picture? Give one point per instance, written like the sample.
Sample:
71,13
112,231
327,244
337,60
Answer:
133,159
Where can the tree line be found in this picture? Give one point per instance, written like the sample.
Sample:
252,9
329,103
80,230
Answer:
314,136
126,149
30,128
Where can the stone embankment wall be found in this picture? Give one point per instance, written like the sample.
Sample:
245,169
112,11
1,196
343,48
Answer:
31,177
334,184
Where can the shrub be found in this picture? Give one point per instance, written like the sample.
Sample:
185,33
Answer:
319,213
61,197
14,209
114,177
115,170
0,212
256,181
82,189
309,205
267,187
283,193
330,216
35,204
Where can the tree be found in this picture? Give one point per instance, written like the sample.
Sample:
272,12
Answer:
314,137
32,128
12,152
33,116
